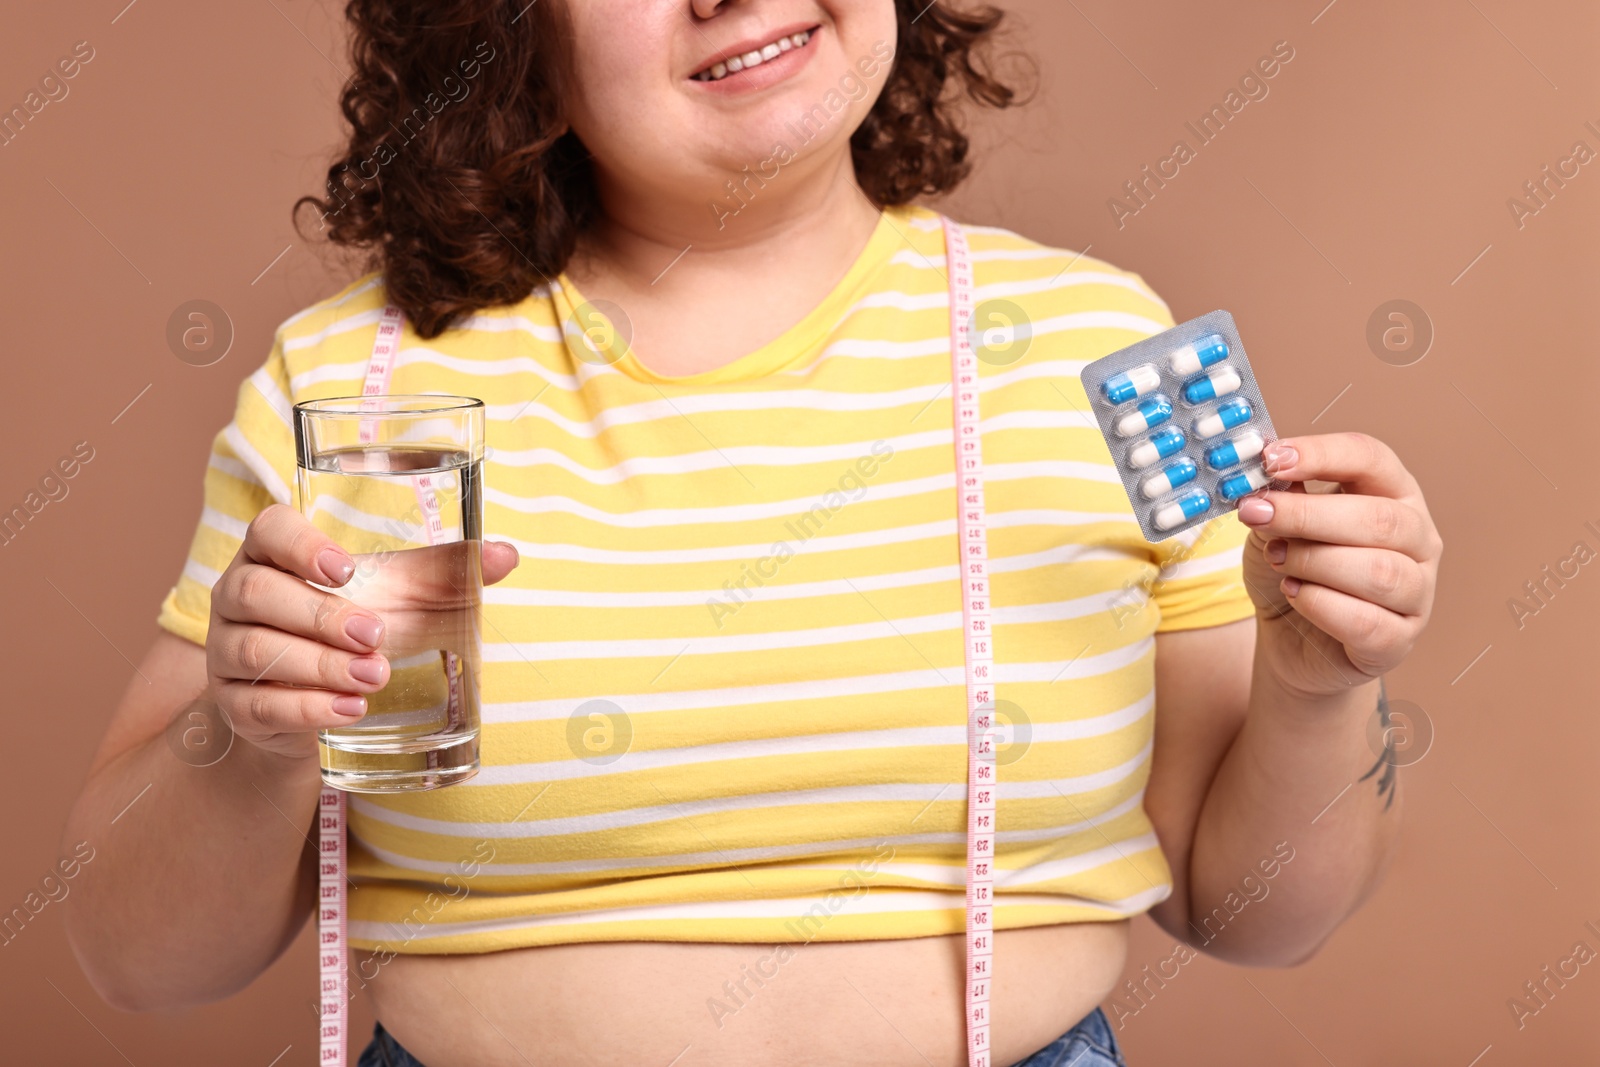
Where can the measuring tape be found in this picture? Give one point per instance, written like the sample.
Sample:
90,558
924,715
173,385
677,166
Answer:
972,530
380,365
973,563
333,944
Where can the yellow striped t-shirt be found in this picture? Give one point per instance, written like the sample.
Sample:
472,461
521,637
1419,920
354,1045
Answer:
755,570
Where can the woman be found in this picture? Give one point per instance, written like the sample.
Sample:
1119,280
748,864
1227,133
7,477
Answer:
668,243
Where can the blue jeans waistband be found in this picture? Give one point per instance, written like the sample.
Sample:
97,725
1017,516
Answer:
1090,1043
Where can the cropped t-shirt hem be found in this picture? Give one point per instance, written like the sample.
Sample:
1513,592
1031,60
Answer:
816,923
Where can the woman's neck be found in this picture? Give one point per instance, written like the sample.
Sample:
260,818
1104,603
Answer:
705,278
809,204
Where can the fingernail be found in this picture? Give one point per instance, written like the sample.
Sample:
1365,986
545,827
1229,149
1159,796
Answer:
1291,587
351,706
335,565
365,629
369,670
1281,457
1255,510
1277,550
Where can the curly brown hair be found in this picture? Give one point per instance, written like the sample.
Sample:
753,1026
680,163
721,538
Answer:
491,202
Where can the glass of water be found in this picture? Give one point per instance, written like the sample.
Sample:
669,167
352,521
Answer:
396,481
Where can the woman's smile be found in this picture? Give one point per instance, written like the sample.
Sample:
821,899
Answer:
757,63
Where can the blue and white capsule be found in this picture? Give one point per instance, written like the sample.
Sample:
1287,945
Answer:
1215,383
1151,412
1235,412
1238,484
1131,383
1172,476
1199,354
1186,507
1157,446
1235,450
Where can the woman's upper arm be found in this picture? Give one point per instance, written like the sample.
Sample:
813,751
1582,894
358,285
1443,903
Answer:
1202,693
171,675
250,467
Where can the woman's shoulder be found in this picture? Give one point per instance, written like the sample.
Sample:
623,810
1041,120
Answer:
327,344
1048,280
331,323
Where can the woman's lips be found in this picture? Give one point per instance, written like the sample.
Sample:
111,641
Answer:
742,65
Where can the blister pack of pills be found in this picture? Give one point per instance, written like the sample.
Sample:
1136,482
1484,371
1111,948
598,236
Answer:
1185,422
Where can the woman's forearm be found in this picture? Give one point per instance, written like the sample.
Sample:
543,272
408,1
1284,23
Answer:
1291,839
202,875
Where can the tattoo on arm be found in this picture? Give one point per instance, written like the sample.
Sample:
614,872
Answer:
1386,760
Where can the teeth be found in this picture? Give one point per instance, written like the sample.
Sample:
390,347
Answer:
754,58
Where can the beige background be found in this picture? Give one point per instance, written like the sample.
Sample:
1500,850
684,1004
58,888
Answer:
1378,168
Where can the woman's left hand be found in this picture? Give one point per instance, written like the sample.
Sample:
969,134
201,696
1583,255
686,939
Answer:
1359,564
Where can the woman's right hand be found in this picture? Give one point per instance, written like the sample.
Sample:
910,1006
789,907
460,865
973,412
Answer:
284,659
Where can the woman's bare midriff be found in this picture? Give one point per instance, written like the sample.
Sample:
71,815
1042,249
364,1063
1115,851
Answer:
670,1004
